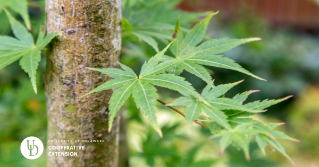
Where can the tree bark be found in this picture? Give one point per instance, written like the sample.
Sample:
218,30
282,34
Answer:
90,37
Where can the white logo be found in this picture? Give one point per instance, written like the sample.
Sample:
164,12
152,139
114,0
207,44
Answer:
31,147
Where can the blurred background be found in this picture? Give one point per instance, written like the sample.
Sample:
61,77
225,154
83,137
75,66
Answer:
288,57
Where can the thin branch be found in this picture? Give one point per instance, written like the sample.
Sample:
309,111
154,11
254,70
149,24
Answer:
181,113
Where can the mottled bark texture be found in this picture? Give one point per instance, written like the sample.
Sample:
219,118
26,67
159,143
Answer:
90,37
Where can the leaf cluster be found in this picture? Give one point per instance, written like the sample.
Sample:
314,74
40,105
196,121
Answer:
227,118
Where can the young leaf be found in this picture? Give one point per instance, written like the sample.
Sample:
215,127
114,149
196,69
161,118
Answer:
177,39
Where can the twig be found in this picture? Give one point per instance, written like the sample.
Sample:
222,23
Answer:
181,113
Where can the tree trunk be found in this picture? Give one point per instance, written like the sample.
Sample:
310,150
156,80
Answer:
90,37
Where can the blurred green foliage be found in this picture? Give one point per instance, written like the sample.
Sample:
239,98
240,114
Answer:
288,59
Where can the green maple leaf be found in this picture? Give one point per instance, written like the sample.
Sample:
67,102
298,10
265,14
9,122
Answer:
157,21
247,127
214,111
141,87
262,140
238,139
194,55
23,46
243,126
19,6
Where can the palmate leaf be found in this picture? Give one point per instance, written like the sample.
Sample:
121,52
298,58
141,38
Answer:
238,137
264,134
12,49
228,137
231,128
154,20
186,50
214,111
142,88
228,114
190,57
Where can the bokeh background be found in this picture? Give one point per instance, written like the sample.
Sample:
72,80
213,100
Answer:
288,57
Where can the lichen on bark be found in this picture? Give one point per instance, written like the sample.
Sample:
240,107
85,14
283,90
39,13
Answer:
90,37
